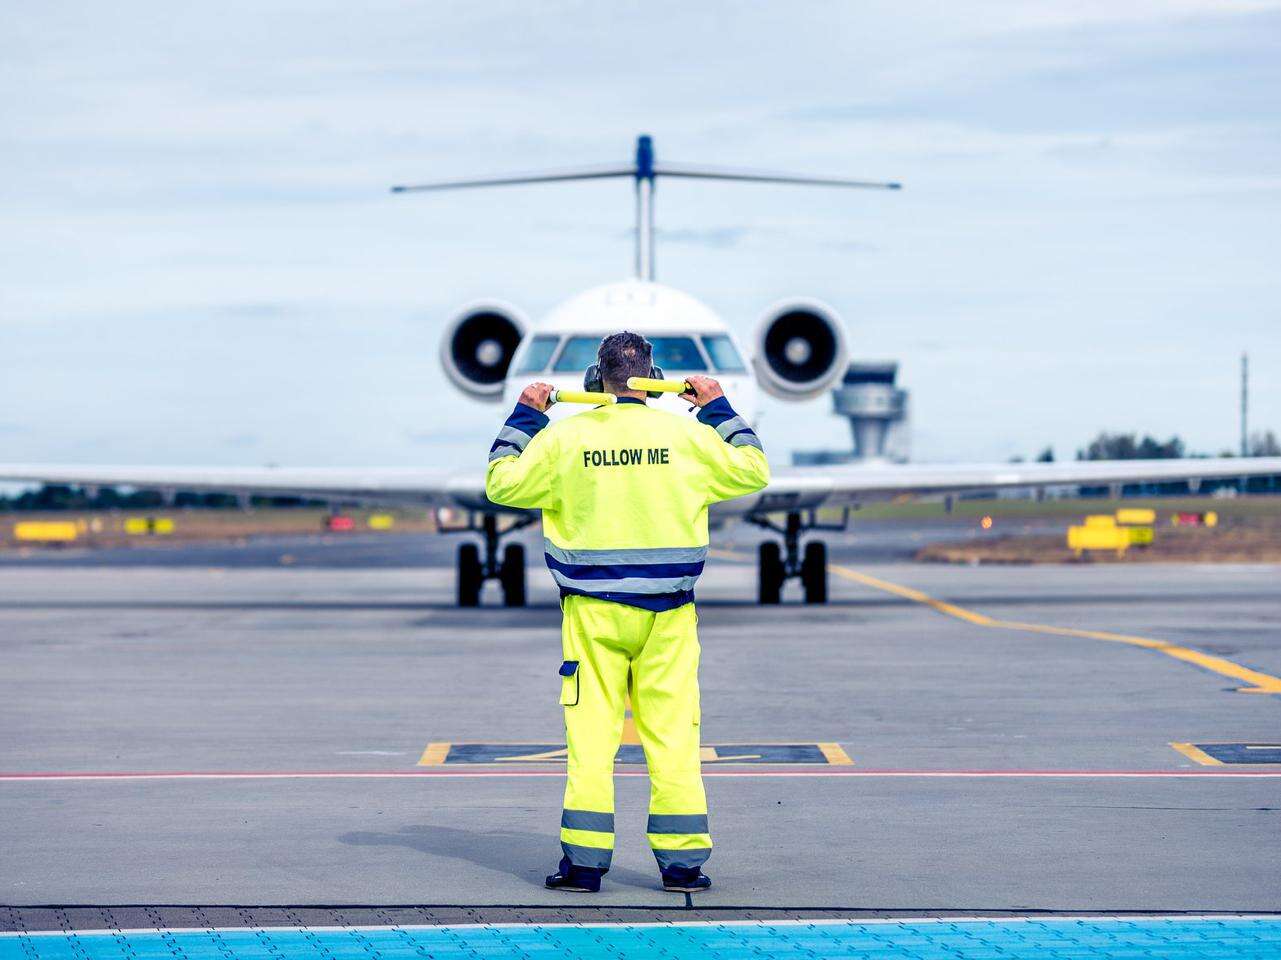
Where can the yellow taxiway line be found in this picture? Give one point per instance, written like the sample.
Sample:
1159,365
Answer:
1257,681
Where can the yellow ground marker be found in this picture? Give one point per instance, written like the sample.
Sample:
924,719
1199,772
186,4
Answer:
1193,752
62,531
710,755
835,754
434,755
1260,682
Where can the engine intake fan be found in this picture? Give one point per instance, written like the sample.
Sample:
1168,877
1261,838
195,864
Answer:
800,349
478,345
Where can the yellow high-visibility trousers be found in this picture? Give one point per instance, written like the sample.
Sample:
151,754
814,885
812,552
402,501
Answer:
603,644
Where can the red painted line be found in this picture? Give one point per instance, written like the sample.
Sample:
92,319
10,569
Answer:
514,773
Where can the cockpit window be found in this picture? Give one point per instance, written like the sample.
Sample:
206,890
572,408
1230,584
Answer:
578,355
670,353
538,355
724,357
677,353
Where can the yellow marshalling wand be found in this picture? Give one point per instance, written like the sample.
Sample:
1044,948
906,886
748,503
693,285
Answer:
656,386
583,396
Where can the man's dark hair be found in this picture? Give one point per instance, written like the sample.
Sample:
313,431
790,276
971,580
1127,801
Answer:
623,355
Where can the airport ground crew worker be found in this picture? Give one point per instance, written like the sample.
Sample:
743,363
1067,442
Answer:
624,491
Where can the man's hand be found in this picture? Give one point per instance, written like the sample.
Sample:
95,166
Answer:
538,396
702,390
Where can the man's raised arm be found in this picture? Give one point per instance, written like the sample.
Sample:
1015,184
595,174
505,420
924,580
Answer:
736,463
520,461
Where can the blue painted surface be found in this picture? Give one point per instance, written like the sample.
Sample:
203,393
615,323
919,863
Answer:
1242,752
1169,939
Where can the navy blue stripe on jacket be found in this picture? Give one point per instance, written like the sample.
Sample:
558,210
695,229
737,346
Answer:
516,433
653,578
586,571
657,602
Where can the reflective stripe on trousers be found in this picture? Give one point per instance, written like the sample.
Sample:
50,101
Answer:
604,644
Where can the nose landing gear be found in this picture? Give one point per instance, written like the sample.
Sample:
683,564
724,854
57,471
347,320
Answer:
473,570
777,563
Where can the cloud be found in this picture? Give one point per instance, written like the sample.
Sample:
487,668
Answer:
199,247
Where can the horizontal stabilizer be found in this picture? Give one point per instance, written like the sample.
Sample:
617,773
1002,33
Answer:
765,176
598,172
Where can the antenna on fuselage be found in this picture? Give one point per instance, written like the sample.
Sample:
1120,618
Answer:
645,170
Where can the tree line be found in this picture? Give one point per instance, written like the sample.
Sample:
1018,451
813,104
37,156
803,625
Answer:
1130,446
58,496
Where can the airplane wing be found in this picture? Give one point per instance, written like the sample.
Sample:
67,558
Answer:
405,486
795,488
800,488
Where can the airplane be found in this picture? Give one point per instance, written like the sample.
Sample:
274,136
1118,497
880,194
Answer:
490,350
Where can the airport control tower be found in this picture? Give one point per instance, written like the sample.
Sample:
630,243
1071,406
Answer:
877,411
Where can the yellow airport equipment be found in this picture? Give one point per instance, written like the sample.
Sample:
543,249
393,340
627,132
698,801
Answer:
1098,537
381,521
583,396
1140,536
142,526
46,531
1137,515
1101,520
656,386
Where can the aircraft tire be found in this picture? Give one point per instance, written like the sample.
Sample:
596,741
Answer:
512,575
814,572
471,575
770,573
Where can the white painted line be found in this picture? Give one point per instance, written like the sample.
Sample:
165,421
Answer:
371,753
825,921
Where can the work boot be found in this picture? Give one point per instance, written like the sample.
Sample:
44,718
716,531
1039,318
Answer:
685,880
575,879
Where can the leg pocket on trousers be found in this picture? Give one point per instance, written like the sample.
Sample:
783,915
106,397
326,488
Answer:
569,683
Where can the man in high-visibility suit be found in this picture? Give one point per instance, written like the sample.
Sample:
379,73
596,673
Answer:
624,491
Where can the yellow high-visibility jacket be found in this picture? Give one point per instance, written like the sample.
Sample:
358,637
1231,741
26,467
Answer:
624,491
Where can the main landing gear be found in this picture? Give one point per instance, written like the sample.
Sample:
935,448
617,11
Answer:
777,563
473,570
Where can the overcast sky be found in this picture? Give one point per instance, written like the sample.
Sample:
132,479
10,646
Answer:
200,262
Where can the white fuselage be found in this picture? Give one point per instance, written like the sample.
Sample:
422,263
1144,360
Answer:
688,337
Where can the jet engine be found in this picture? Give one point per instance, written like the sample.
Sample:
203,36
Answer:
800,349
478,346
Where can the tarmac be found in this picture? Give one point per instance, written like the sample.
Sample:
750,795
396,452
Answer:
936,741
